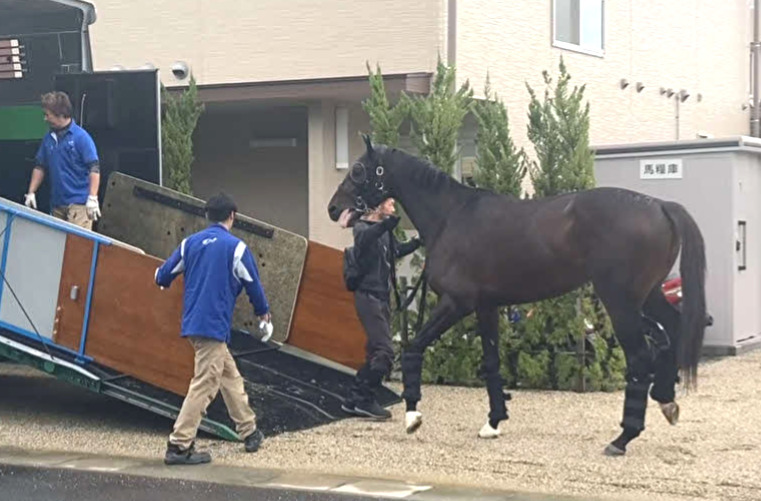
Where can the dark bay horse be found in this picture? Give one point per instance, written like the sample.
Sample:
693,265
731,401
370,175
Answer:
485,250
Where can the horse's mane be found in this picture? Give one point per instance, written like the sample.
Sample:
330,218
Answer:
424,173
421,171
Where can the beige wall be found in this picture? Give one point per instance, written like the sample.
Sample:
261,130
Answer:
324,178
692,44
269,184
230,41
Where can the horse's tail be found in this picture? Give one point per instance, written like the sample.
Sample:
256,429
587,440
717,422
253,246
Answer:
692,268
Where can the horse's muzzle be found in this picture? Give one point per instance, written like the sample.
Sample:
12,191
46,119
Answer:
334,212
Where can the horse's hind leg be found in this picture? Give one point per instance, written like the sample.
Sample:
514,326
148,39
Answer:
666,369
627,323
488,329
443,316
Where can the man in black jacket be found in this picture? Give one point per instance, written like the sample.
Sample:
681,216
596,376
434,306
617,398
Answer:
376,250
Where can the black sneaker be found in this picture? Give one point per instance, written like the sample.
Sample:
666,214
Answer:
175,455
372,410
253,441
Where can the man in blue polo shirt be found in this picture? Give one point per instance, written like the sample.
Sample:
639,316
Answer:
217,266
69,156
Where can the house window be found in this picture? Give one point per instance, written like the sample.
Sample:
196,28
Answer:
578,25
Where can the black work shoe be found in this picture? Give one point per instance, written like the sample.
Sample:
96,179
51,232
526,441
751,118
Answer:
372,410
175,455
253,441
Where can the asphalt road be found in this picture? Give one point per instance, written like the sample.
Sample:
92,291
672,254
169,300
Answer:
20,483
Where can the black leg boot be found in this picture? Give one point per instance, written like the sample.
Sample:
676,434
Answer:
635,406
412,366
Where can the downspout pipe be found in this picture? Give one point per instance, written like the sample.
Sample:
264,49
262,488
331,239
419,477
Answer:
755,113
452,32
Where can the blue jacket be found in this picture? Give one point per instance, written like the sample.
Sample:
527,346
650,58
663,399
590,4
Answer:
217,266
68,156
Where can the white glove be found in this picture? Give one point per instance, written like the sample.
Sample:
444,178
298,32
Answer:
30,200
155,277
266,329
93,208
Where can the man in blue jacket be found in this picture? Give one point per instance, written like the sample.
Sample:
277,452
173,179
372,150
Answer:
68,155
217,266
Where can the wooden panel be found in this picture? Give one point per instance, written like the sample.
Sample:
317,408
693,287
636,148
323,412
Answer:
325,321
77,260
134,325
156,219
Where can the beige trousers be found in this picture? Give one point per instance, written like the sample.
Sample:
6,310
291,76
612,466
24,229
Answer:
75,214
215,371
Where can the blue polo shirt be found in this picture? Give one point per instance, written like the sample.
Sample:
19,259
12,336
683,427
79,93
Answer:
217,267
68,156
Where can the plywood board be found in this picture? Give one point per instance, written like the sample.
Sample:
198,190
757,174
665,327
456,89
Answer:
75,273
135,326
325,321
157,219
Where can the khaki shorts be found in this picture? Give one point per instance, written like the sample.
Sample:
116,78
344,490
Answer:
75,214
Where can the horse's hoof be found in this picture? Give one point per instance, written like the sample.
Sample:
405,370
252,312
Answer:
670,411
488,432
613,451
412,421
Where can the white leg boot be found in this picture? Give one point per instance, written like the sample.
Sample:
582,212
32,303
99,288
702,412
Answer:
488,432
412,421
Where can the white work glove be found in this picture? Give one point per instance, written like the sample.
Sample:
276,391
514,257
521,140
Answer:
265,327
30,200
155,277
93,208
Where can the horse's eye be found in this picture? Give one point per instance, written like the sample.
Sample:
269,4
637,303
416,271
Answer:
358,174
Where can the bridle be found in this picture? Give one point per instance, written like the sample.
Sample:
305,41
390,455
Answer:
368,188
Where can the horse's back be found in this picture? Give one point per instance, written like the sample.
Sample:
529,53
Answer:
626,229
616,205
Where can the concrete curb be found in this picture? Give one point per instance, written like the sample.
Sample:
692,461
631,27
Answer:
261,478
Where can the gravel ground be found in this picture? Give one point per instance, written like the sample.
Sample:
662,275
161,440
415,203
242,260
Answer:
552,444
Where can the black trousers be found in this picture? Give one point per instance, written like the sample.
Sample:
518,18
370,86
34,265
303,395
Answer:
374,312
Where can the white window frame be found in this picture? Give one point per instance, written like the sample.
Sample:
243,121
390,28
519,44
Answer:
578,48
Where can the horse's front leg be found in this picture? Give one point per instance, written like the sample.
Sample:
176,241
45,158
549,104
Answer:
488,329
443,316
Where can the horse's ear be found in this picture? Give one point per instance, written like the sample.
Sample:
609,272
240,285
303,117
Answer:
368,143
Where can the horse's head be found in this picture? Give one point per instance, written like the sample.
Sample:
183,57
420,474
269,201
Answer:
363,188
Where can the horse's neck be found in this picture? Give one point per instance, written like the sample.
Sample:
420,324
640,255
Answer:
427,206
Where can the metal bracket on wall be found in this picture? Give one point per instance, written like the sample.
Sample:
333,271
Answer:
198,211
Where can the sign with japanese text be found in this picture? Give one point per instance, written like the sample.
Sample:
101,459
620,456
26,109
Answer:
670,168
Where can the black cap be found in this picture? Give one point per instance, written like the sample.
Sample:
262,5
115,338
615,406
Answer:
219,207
